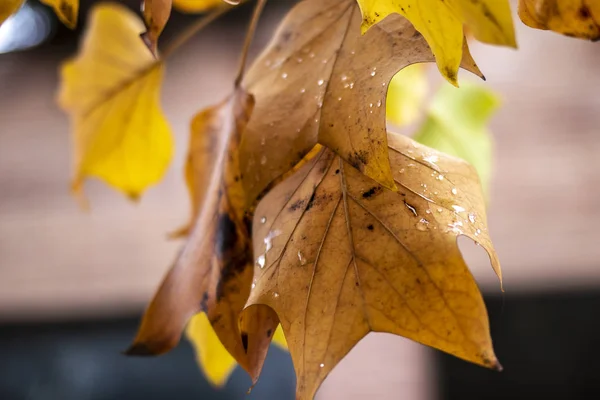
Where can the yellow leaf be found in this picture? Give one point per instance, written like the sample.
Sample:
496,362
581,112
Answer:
156,14
66,10
576,18
193,6
8,8
406,95
111,91
214,359
320,81
341,256
441,23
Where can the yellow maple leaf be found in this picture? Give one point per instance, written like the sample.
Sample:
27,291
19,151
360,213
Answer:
213,358
193,6
441,23
8,8
111,91
66,10
575,18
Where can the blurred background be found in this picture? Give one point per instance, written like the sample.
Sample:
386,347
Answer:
73,285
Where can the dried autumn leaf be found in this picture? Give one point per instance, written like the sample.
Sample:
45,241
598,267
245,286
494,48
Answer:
213,358
66,10
340,256
213,272
320,80
441,23
8,8
577,18
156,14
111,91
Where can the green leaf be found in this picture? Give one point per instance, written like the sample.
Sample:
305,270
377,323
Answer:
457,124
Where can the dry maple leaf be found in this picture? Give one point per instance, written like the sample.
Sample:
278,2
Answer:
213,272
441,23
156,14
340,256
320,80
66,10
112,92
577,18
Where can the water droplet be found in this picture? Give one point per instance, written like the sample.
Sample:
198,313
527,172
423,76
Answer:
299,60
440,177
454,191
301,258
428,211
411,165
344,78
263,141
379,103
263,220
321,365
371,105
253,285
275,294
269,239
422,225
325,61
312,55
261,261
401,170
373,73
339,99
302,90
478,232
439,210
458,208
411,208
472,217
284,75
320,82
263,160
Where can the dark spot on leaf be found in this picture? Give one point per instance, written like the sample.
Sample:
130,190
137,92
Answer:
370,227
298,204
245,341
337,171
371,192
359,159
584,12
311,201
269,332
204,302
227,235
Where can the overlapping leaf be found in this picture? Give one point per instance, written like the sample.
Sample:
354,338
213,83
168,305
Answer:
213,358
66,10
320,80
577,18
192,6
213,272
8,8
112,92
156,14
441,23
339,256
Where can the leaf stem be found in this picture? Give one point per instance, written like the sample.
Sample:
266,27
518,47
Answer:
188,33
258,9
